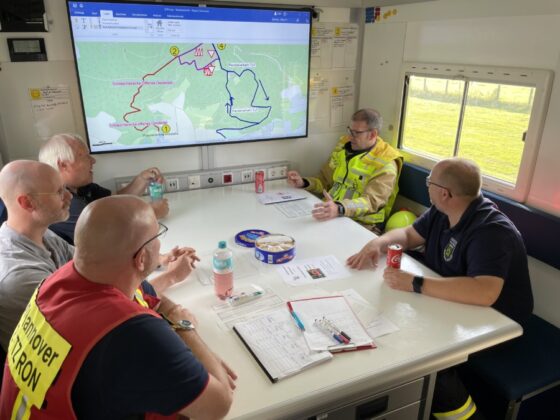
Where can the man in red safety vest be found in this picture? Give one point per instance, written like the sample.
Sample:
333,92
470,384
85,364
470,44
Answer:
84,348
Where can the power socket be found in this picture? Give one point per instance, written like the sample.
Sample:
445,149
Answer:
172,184
247,175
282,171
194,182
272,173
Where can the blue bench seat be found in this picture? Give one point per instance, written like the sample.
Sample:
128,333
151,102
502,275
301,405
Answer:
524,367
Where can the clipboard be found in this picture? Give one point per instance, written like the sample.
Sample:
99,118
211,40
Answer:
337,310
277,345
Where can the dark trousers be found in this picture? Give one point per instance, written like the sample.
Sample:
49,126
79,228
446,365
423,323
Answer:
451,398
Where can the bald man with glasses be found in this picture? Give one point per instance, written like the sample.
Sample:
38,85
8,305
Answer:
476,249
122,360
360,180
35,197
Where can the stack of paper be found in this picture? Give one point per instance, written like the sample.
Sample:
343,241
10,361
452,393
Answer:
336,310
278,345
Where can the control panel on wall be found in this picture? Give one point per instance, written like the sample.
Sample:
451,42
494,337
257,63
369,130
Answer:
23,16
27,49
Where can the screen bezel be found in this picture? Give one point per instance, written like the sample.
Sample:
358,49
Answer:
220,6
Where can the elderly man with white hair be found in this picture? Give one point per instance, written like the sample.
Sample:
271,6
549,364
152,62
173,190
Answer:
69,155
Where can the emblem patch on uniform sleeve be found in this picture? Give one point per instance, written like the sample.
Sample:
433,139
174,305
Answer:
449,249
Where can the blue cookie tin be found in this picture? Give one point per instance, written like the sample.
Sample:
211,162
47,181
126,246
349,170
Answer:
275,248
248,237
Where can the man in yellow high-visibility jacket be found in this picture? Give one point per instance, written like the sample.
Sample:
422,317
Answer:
361,176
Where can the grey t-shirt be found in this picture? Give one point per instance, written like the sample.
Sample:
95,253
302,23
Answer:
23,265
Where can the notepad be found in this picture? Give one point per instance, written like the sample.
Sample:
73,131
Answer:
278,345
337,310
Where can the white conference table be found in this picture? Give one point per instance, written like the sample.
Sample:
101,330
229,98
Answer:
433,334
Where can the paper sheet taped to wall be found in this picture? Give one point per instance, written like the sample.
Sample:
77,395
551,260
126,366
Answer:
52,110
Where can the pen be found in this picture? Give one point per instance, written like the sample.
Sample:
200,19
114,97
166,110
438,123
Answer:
244,298
345,337
334,331
342,347
322,324
298,321
296,318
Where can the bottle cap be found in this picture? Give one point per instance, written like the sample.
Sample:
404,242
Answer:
222,244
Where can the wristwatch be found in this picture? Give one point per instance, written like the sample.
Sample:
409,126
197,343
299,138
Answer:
417,283
340,209
181,325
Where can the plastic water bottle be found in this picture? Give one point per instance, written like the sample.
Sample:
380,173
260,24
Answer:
222,265
156,190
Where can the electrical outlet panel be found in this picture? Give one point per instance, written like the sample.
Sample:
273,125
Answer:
234,175
172,184
247,175
194,182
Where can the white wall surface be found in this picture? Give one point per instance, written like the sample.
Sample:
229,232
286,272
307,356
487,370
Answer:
513,33
19,139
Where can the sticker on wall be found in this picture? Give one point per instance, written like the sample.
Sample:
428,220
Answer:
389,13
373,14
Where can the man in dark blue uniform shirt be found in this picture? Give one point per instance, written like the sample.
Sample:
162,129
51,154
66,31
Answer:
68,154
469,242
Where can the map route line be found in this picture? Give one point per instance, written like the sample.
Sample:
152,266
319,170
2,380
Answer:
231,98
125,116
178,57
229,105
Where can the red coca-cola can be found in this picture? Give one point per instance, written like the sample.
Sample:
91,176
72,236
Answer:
259,182
394,254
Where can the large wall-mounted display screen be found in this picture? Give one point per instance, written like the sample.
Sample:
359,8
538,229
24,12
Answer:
156,75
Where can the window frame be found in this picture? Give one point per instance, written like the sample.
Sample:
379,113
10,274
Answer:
541,80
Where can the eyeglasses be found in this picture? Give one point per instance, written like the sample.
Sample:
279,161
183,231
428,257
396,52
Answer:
356,133
428,183
161,232
61,192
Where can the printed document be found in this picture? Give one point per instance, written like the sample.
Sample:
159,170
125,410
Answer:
278,345
312,270
280,197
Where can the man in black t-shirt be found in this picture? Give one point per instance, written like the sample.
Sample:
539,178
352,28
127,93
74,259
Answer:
68,154
469,242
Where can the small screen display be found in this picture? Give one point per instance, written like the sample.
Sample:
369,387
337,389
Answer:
27,46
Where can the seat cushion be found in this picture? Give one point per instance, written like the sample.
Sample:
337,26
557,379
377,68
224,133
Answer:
523,365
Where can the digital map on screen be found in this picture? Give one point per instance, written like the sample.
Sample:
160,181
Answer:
155,76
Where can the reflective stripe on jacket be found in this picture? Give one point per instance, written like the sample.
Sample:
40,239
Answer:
350,180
